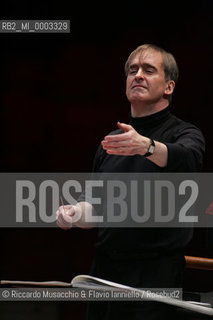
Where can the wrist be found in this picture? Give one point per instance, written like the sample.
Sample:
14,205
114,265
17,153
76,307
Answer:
151,148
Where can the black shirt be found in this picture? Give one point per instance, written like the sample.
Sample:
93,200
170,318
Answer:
186,145
184,141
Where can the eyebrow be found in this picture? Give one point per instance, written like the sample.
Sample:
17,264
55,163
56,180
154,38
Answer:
146,65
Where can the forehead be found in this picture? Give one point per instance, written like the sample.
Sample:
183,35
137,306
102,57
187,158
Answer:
148,56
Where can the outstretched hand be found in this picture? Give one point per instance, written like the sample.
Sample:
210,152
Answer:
128,143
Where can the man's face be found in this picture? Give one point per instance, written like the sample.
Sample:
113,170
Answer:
146,79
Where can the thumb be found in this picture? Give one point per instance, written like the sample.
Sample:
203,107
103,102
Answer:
123,126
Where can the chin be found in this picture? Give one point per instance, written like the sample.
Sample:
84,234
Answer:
138,99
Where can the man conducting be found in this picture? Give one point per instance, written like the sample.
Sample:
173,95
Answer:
153,141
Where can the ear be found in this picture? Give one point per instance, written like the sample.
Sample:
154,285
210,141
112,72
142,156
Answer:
169,87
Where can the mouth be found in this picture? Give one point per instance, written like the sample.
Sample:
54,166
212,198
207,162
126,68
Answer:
138,86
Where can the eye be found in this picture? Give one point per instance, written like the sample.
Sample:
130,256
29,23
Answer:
132,71
149,71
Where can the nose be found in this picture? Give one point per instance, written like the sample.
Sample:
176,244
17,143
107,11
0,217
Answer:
139,75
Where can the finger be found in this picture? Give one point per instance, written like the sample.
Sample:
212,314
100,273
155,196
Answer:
61,209
62,227
65,208
64,220
116,144
70,212
117,137
124,126
119,151
67,220
60,218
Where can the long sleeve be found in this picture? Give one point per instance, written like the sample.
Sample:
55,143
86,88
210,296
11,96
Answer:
186,153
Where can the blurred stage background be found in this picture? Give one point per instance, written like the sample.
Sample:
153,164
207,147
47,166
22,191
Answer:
61,93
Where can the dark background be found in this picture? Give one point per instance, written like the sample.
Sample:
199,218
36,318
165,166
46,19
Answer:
61,93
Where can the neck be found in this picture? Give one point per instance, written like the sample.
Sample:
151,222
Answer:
139,109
